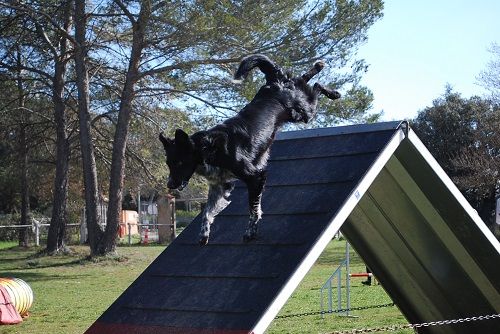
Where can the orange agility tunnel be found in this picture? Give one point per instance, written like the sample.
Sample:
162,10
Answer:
19,292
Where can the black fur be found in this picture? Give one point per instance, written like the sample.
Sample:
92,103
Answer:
239,147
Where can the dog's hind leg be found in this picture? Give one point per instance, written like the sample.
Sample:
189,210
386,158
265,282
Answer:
255,187
218,199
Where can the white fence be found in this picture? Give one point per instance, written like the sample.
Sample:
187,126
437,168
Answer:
38,227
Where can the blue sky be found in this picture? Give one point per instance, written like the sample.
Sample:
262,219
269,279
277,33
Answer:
420,46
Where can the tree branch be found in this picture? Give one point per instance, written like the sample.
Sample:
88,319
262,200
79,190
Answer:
26,68
188,64
210,104
33,14
125,11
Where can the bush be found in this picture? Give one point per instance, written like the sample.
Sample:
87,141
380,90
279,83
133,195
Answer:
9,234
185,217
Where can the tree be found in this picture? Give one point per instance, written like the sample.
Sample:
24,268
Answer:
39,48
146,56
60,53
36,120
490,77
186,51
90,176
464,137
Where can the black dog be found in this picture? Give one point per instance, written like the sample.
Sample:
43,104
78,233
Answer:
239,147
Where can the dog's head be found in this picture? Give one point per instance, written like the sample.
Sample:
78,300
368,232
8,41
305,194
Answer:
181,159
298,97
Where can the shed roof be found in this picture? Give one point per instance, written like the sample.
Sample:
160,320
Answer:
426,245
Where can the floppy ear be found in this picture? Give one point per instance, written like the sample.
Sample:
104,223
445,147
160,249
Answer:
182,139
165,141
213,143
272,72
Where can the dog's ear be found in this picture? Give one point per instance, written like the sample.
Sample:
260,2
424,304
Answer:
182,139
165,141
272,72
212,143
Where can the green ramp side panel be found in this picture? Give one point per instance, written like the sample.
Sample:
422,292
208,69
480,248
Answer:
318,181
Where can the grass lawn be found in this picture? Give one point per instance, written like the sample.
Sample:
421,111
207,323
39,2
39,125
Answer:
71,292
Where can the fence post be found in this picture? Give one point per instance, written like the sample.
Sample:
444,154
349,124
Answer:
37,233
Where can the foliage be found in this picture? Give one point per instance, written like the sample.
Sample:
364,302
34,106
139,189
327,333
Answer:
464,137
156,65
9,234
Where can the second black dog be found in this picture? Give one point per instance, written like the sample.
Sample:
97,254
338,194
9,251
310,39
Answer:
239,147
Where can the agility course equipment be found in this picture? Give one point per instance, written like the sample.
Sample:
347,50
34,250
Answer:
20,294
335,282
428,248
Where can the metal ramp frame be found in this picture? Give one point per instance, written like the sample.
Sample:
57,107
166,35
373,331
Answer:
427,246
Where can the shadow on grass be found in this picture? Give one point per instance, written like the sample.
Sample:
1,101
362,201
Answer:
31,277
35,264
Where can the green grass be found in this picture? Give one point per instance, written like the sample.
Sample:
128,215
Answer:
307,299
7,244
71,291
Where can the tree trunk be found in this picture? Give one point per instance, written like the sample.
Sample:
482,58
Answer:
108,244
23,151
57,228
25,204
86,143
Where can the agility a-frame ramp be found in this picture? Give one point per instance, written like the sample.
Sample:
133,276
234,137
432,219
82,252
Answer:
428,248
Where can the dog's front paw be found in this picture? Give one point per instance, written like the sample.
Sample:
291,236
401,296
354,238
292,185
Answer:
203,241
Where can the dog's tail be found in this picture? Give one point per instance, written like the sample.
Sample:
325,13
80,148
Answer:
272,72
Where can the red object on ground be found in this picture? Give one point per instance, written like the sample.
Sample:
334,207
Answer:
361,275
8,313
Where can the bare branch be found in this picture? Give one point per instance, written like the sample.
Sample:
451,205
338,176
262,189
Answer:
26,68
125,10
188,64
44,36
169,90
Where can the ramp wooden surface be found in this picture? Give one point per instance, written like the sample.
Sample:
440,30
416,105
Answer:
317,180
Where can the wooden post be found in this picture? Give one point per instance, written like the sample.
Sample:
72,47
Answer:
165,219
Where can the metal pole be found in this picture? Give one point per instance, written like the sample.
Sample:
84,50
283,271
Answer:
348,277
330,306
339,289
321,294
